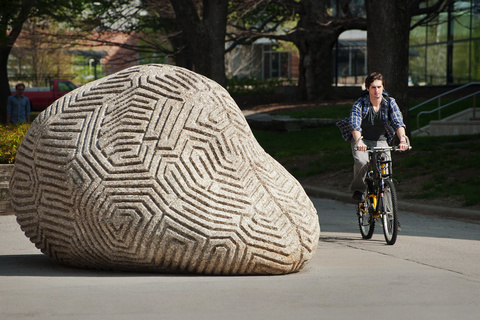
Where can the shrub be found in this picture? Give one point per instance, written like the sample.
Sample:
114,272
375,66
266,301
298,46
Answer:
10,138
248,86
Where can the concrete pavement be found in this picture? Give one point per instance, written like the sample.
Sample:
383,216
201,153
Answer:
430,273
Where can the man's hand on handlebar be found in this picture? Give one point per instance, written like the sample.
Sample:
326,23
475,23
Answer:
403,145
360,145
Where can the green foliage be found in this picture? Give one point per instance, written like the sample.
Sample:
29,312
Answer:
102,14
84,70
254,16
307,152
332,112
246,86
11,137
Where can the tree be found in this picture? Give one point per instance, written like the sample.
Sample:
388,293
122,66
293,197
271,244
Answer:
388,31
318,29
161,23
38,55
204,27
192,32
318,25
13,14
12,17
151,22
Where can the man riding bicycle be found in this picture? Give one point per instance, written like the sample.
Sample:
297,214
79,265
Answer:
374,119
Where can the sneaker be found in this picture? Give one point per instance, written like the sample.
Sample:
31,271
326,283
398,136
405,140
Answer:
357,196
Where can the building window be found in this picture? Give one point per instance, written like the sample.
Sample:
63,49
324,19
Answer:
448,47
276,64
351,62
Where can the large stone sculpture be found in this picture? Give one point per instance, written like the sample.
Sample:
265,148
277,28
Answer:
154,168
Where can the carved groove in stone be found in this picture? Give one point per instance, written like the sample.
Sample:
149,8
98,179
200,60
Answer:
155,169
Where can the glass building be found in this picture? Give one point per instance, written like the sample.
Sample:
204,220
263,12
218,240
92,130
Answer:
443,51
447,49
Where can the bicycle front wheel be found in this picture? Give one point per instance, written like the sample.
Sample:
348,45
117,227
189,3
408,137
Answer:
389,212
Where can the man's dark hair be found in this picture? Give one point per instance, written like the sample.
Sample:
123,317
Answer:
372,77
19,85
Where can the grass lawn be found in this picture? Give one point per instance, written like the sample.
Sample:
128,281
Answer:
442,167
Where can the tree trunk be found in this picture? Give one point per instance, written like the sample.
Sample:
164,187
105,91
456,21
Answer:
206,35
183,53
4,87
6,44
388,31
315,50
15,20
316,34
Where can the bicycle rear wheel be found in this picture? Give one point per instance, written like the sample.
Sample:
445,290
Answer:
365,217
389,212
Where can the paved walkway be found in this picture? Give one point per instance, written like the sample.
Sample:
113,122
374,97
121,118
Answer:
441,212
430,273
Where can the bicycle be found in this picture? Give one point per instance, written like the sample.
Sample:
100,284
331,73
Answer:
380,198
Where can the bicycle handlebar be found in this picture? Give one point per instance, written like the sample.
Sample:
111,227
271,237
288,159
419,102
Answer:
393,148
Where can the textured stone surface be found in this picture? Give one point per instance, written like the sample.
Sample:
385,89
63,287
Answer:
154,168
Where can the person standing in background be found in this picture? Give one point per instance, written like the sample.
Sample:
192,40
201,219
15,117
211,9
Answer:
18,106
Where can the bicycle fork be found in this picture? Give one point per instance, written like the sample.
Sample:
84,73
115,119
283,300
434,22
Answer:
380,200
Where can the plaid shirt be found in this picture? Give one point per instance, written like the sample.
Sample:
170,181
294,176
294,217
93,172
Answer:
391,116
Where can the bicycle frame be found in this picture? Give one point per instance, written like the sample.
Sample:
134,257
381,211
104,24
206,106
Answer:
379,170
380,199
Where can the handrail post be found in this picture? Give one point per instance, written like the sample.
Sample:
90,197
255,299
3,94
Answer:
474,104
439,112
438,98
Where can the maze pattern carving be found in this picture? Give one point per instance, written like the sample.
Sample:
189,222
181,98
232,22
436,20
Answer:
154,168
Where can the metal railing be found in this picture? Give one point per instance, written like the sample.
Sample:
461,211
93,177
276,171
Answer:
440,107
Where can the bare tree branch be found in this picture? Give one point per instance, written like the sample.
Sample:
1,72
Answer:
431,12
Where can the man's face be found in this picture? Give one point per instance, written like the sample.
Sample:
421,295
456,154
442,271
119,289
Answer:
376,89
20,89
